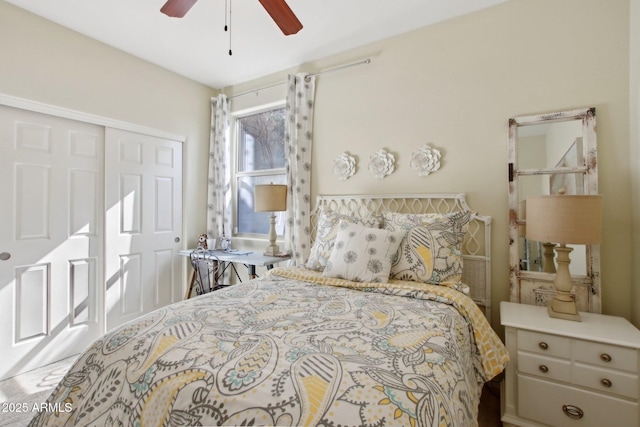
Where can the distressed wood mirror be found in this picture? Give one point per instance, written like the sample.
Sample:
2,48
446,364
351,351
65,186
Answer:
552,153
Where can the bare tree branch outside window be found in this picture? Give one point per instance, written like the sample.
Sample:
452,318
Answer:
261,160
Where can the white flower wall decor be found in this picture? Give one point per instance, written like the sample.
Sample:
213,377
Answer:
381,163
344,166
425,160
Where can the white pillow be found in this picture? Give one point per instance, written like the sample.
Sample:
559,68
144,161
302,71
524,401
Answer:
362,254
328,222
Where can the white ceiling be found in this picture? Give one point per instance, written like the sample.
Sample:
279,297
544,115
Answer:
197,46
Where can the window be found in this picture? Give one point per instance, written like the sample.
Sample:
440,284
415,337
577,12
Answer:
260,159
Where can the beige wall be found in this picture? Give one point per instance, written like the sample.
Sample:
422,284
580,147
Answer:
44,62
455,84
634,95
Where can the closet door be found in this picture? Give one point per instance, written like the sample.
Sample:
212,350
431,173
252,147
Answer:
51,238
143,224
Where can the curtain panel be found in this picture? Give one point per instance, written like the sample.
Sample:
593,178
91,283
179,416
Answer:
298,139
219,187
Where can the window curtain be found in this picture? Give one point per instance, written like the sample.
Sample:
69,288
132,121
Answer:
298,137
219,187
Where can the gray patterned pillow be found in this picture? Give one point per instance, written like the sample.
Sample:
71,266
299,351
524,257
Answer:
362,254
431,250
328,222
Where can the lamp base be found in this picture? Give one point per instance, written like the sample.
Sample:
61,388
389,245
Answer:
272,250
566,310
563,305
548,265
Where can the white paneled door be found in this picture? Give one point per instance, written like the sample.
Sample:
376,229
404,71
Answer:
143,224
90,227
51,238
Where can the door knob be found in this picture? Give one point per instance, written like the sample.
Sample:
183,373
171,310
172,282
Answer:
5,256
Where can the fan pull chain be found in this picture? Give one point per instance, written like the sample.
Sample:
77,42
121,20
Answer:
226,14
230,52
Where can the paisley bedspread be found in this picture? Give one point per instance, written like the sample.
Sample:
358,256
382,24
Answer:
289,351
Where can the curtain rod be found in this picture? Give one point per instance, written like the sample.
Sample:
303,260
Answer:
330,70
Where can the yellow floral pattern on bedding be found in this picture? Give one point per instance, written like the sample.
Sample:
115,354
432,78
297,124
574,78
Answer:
288,351
492,352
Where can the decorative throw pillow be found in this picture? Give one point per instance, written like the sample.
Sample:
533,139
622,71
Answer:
328,222
431,250
362,254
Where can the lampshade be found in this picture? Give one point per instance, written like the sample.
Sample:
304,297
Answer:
270,198
565,219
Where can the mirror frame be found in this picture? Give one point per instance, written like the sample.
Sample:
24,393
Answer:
532,287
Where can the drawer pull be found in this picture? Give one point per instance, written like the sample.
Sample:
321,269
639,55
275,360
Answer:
605,382
543,368
572,411
543,345
605,357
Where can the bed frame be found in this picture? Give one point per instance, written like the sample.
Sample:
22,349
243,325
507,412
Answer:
476,247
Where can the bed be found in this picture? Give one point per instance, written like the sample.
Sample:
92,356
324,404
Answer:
331,343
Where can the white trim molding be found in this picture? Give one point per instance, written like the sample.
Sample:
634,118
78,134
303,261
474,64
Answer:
39,107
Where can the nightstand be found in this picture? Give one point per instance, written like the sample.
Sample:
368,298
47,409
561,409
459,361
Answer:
565,373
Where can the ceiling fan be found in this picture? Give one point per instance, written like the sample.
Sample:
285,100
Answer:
280,12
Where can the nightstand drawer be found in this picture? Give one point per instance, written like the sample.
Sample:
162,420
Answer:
606,380
601,356
551,345
608,356
562,406
542,366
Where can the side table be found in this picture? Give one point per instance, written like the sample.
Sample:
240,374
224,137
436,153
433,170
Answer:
228,258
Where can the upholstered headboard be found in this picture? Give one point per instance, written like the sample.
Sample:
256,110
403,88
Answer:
476,247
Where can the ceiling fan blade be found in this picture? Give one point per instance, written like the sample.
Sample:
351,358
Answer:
177,8
283,16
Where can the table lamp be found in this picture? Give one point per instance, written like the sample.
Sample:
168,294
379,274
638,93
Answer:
271,198
564,219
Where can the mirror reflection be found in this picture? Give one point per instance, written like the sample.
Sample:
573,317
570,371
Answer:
545,146
550,145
